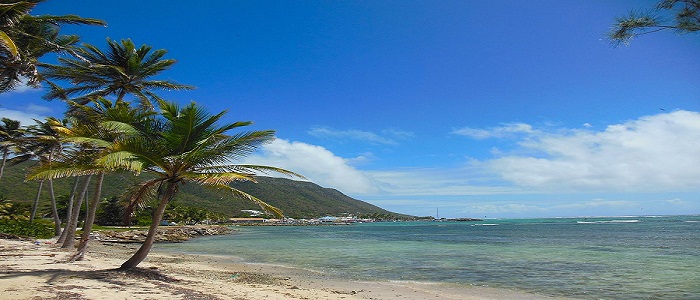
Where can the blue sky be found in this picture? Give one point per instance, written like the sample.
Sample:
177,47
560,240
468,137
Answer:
478,108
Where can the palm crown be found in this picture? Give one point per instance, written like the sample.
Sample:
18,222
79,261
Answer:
186,145
24,38
178,145
123,69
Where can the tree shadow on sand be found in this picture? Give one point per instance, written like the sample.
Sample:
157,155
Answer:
117,277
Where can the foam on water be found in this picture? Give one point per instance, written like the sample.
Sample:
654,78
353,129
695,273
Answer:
604,222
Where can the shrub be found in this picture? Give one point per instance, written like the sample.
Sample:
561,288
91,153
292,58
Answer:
13,211
40,229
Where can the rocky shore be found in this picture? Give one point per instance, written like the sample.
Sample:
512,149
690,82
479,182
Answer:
164,233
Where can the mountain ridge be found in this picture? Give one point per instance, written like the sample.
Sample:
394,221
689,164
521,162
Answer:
297,199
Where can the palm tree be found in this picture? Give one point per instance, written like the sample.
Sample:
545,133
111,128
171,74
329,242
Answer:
91,130
72,221
54,145
42,142
10,136
100,124
76,160
25,38
122,70
185,145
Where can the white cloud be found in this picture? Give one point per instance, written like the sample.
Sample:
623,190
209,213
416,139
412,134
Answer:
657,154
652,153
25,118
315,163
44,110
388,137
676,201
398,134
507,130
361,159
438,182
323,167
23,87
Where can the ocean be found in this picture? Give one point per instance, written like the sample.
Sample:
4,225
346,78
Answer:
637,257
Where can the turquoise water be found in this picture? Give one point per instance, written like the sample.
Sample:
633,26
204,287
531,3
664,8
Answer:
590,258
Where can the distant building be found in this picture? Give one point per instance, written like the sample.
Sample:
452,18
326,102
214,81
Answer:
252,212
328,219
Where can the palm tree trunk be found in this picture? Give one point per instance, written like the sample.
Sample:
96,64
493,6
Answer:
89,220
52,195
36,202
54,211
5,153
87,207
69,214
72,225
141,254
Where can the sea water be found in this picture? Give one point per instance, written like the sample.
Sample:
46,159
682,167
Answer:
590,258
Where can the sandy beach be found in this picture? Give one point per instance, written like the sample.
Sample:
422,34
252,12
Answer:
30,270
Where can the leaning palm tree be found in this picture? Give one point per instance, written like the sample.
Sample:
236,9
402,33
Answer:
186,145
123,69
25,38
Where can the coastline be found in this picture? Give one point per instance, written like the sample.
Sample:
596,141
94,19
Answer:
31,271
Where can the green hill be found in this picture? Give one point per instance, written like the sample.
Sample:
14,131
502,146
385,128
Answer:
297,199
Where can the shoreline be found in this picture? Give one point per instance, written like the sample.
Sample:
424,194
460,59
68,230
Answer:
31,271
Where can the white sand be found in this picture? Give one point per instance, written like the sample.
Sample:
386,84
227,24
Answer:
29,271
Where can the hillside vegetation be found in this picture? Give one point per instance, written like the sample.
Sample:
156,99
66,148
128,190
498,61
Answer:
297,199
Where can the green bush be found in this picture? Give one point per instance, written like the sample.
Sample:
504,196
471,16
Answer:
143,219
40,229
110,212
14,211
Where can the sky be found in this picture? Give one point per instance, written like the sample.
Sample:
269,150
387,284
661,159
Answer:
489,109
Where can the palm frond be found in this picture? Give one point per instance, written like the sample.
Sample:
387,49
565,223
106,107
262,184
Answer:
119,126
166,85
141,194
267,170
216,179
245,196
121,160
97,142
69,19
8,44
55,171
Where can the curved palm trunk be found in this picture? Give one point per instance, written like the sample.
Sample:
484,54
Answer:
36,202
54,211
72,224
141,254
71,198
89,220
